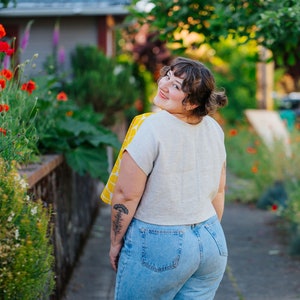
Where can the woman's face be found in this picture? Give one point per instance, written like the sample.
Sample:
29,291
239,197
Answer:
169,95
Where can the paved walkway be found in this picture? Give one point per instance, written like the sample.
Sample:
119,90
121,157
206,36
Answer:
259,267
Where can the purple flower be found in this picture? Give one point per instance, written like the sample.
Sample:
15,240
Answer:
6,62
61,55
25,38
56,34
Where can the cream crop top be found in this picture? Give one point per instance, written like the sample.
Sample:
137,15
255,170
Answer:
183,163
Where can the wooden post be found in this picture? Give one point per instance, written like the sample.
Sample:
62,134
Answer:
264,78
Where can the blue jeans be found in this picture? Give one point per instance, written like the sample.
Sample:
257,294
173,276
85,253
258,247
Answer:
171,262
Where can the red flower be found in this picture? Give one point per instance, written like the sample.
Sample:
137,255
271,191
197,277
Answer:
4,46
251,150
2,84
10,51
3,131
6,73
4,107
2,31
274,207
29,86
62,96
233,132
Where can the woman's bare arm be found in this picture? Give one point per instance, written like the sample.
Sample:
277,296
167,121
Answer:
127,195
219,200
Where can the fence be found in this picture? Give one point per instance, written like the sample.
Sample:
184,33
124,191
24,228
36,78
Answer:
74,201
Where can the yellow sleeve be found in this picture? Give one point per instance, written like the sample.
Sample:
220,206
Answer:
108,190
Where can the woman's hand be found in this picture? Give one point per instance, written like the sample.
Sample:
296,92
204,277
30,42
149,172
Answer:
114,255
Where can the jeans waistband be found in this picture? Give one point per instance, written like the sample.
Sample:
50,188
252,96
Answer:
209,221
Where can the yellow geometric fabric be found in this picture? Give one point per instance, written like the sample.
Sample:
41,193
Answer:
109,188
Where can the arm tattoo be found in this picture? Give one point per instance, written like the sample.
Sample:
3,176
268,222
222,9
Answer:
121,209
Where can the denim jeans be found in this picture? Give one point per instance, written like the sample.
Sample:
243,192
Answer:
171,262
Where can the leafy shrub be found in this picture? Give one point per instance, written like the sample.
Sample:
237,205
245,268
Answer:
107,84
26,256
235,70
292,215
18,136
74,131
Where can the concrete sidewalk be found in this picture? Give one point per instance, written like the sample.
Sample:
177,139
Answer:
259,267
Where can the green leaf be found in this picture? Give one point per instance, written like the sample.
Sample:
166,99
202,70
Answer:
91,161
291,59
105,138
76,127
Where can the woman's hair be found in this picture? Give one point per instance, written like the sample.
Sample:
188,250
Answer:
199,85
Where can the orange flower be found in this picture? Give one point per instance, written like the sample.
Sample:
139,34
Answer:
2,84
62,96
69,113
233,132
2,31
3,131
29,86
138,104
254,169
257,142
6,73
251,150
4,107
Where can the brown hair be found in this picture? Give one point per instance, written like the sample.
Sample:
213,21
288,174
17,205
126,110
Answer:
199,85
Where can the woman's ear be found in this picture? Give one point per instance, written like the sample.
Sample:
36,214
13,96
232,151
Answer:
190,106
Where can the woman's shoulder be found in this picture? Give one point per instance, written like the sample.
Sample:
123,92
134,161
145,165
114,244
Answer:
141,118
152,118
213,124
212,120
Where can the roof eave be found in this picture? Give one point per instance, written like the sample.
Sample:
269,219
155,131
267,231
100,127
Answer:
63,11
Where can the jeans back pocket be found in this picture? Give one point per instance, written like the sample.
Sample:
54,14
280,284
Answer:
161,249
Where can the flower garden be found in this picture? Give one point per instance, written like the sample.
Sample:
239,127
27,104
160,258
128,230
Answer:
38,116
46,115
267,177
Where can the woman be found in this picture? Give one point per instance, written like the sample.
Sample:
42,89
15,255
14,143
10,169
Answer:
166,237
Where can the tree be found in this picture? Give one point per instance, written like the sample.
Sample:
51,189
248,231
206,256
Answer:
6,2
273,24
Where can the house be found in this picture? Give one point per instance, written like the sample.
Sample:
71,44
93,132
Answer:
84,22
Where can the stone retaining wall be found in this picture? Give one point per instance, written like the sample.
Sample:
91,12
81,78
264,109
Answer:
74,201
